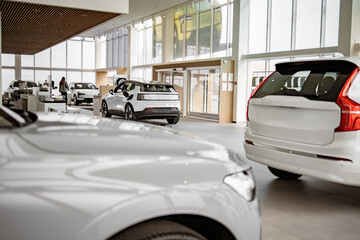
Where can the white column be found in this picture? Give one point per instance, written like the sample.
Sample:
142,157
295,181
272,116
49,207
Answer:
169,30
235,54
0,63
243,9
349,32
18,67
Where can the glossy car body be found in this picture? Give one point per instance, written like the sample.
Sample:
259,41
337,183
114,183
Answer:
137,100
304,120
18,87
82,92
79,177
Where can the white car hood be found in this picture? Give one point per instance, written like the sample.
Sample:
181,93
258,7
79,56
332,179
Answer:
82,174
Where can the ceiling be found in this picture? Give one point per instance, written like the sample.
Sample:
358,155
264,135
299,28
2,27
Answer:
30,28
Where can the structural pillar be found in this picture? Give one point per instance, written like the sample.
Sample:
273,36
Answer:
242,32
1,93
349,32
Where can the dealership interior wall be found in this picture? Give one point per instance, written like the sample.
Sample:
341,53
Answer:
253,35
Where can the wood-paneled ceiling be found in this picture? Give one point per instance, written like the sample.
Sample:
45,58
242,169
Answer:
30,28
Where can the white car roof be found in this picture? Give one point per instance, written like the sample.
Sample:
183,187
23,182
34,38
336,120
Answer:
355,60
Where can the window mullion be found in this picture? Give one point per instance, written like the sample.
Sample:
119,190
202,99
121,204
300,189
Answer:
323,23
293,25
268,26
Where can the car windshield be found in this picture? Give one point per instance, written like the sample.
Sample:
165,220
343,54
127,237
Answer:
8,118
25,84
157,88
313,80
84,86
4,123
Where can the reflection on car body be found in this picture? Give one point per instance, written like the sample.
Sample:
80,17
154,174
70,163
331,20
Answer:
67,176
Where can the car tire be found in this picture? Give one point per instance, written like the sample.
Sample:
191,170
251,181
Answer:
173,120
284,174
158,230
76,101
129,113
105,110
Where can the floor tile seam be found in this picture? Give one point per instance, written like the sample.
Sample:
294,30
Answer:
280,228
324,228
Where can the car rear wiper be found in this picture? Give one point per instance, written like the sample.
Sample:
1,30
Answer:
293,92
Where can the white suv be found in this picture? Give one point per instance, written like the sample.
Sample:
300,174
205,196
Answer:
136,100
82,92
304,119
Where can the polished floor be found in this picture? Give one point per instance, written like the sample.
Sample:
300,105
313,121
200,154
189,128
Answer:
304,209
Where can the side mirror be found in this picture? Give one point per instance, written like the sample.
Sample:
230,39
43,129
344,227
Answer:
126,94
111,91
72,88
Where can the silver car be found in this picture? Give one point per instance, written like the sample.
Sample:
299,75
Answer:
67,176
18,87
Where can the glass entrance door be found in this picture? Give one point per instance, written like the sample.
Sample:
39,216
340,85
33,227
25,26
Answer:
204,93
176,78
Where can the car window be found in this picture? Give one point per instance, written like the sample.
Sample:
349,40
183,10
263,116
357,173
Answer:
84,86
157,88
313,81
31,84
129,86
119,87
4,123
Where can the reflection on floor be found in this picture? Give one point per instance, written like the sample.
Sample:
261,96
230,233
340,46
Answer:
304,209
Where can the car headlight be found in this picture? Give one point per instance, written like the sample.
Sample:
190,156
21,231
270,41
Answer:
243,183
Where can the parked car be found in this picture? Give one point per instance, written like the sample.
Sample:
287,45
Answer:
82,92
68,176
18,87
304,119
137,100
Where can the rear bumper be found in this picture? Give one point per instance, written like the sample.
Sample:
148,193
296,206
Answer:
158,113
302,158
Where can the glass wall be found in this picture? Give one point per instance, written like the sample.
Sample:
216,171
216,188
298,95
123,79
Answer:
77,54
203,30
157,39
8,60
190,31
116,49
293,25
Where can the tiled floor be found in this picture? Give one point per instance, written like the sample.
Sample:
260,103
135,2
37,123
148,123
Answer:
304,209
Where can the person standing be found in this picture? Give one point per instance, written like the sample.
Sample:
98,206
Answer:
63,88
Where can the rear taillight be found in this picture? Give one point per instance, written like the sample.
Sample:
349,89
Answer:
253,93
350,110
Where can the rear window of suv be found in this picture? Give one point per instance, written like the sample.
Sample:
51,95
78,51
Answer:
316,80
157,88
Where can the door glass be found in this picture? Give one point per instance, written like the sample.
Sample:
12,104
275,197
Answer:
178,83
204,91
213,91
177,80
